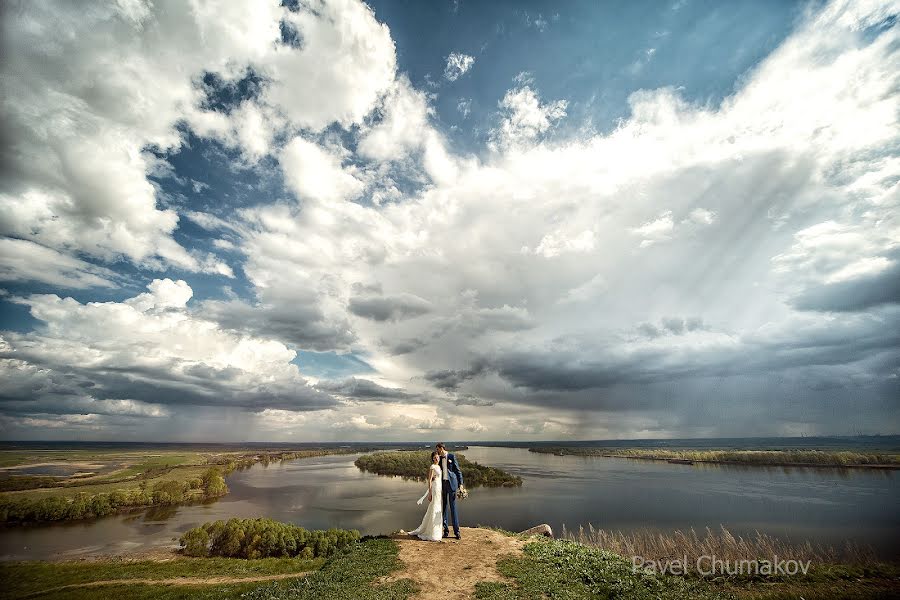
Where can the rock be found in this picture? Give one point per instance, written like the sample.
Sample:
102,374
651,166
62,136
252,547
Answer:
543,529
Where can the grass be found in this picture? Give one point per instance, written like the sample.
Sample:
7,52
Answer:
568,570
185,473
131,469
660,546
824,589
160,462
233,591
351,575
21,579
815,458
414,465
12,458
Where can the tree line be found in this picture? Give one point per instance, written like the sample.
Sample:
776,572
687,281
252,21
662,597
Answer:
84,506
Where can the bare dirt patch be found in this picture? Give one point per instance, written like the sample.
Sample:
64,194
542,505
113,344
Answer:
449,569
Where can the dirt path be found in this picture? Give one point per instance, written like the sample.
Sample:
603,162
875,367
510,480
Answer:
172,581
449,570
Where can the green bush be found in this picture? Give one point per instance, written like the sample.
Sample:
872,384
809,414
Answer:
119,498
79,508
196,542
52,508
213,483
100,506
263,538
168,492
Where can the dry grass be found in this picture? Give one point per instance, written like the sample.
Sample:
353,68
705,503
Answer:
662,546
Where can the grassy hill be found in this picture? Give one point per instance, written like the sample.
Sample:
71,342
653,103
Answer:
505,567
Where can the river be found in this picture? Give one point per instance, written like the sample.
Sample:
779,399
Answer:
828,506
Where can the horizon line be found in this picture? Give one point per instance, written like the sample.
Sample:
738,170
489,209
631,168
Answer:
459,442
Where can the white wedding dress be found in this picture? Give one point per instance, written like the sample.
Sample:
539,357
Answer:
432,526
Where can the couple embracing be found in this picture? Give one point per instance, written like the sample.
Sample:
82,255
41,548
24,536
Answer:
444,480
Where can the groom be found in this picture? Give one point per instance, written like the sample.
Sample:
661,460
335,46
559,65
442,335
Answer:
452,481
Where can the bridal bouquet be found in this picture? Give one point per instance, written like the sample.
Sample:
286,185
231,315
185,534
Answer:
462,493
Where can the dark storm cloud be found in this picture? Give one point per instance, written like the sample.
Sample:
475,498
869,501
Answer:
37,381
450,379
471,400
389,308
206,372
403,346
363,389
300,323
80,405
580,364
670,326
854,295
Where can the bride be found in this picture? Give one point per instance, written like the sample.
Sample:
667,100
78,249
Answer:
432,522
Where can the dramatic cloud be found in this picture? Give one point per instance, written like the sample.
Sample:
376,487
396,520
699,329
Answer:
362,389
148,349
22,260
95,96
551,265
383,308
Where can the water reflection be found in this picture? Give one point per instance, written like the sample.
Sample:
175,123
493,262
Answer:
821,505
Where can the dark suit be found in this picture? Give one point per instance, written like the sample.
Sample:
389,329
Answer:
448,492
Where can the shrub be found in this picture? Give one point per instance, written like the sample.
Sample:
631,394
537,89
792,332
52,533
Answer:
214,483
119,498
100,506
263,538
79,508
168,492
196,542
52,508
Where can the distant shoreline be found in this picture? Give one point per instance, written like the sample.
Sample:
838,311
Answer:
886,442
742,458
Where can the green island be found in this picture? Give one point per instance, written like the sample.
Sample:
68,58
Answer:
260,559
775,458
98,482
414,465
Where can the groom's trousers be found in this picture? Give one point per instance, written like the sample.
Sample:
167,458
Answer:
448,496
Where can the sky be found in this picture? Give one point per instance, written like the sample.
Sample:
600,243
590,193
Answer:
449,220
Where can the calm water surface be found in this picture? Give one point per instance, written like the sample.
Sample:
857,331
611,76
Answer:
829,506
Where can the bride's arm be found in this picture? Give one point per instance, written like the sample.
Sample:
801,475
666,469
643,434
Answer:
428,483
